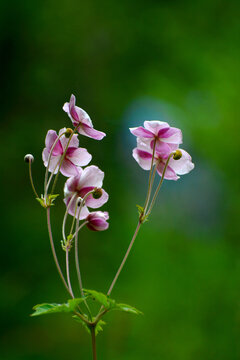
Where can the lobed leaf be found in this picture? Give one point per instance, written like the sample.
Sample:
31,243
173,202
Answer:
100,298
46,308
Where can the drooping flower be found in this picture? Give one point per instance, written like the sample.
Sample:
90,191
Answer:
158,131
97,221
80,118
89,179
143,155
73,158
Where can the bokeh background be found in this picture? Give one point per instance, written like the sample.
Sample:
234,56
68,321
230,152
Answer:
126,61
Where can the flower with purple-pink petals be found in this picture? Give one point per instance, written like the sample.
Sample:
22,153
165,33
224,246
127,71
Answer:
143,155
97,221
73,158
86,181
160,133
81,120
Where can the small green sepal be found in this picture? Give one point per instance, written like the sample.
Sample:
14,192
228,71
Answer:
48,201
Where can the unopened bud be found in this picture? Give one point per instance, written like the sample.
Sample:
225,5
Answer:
68,132
177,155
97,193
28,158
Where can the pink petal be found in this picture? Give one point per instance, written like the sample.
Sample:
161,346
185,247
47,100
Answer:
97,221
172,135
96,203
155,125
91,176
143,158
84,211
68,168
163,149
78,156
90,132
83,191
169,173
141,132
72,110
53,165
49,141
72,184
74,142
183,165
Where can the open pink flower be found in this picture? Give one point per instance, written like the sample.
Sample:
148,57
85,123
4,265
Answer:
73,158
81,119
143,155
97,221
78,186
160,132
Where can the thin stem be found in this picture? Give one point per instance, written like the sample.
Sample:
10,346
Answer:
31,179
93,335
54,252
150,180
159,185
76,257
67,271
76,254
125,258
80,227
65,217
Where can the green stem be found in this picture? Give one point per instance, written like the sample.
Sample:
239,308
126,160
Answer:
150,180
54,252
125,257
93,335
31,179
68,274
159,185
76,252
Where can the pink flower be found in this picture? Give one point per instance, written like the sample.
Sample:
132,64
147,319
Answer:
143,155
78,186
73,158
159,131
80,118
97,221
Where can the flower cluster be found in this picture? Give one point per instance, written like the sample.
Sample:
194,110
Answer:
63,154
158,144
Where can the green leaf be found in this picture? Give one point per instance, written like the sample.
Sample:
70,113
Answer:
98,327
79,320
127,308
53,196
46,308
140,209
100,298
41,201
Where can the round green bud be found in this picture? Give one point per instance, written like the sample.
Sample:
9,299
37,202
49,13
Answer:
28,158
68,132
97,193
177,155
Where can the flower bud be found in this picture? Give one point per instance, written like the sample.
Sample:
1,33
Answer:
68,132
28,158
97,193
79,201
177,155
97,221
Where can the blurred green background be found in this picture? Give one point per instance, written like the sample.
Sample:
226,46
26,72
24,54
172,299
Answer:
126,61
